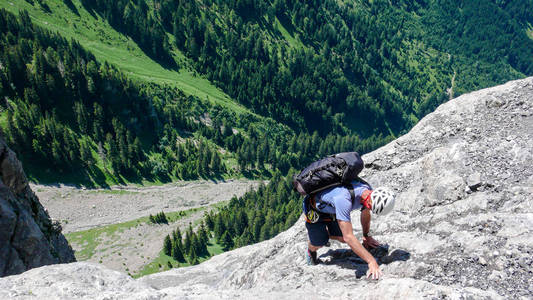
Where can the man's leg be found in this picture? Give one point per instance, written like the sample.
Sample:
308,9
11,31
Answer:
312,247
335,232
318,237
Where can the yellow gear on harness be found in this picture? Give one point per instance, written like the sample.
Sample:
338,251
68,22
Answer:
312,216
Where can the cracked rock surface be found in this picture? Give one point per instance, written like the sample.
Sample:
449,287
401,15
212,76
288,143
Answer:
28,238
461,228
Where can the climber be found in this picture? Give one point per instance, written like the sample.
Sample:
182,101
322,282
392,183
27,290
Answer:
328,217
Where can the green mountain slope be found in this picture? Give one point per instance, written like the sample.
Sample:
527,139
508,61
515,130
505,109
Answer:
307,78
73,21
364,67
487,39
73,119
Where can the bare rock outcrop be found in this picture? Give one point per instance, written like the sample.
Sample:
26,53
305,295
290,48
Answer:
28,238
462,227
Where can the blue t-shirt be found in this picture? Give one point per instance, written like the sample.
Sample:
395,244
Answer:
337,200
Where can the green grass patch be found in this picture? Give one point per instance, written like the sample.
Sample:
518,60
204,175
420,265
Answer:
290,38
214,248
94,33
90,239
3,119
160,263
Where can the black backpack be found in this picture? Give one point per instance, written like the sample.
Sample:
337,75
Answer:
335,170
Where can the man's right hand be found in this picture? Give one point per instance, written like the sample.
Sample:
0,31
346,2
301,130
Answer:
357,248
373,270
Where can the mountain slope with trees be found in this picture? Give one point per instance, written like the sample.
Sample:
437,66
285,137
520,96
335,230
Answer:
72,114
363,64
357,73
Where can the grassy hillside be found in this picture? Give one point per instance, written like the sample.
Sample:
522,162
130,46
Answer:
74,119
163,90
93,32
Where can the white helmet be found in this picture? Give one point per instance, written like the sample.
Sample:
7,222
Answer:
382,201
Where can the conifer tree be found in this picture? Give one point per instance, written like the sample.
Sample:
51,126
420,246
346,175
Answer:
81,117
177,238
193,259
85,154
177,252
187,242
203,234
196,245
167,246
226,241
220,228
208,217
215,164
98,123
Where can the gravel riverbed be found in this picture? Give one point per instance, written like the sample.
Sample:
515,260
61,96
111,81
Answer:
81,209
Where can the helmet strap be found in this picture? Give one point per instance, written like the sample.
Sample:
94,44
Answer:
366,200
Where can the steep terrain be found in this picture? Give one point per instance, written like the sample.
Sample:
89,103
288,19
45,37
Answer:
461,228
119,81
28,238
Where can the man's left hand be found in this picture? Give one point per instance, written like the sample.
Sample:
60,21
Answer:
369,242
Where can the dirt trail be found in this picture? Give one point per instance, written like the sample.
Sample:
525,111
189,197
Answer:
81,209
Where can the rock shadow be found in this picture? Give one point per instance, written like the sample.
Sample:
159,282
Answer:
345,258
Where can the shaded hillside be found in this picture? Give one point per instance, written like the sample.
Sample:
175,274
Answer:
28,238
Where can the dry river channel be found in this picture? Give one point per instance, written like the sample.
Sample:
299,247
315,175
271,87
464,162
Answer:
91,218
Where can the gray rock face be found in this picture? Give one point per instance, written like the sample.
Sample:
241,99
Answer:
28,238
461,229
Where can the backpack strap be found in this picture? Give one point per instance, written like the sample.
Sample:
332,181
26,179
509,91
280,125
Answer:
361,180
312,202
324,217
352,193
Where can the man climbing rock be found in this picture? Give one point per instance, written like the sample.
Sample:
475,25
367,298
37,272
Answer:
328,217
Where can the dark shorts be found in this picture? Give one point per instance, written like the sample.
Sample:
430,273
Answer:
320,231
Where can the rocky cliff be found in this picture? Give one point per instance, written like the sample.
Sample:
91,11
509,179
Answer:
462,227
28,238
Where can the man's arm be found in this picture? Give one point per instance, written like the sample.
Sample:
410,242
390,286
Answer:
357,248
368,241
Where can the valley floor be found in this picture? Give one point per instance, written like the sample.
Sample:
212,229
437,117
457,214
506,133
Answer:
82,209
111,227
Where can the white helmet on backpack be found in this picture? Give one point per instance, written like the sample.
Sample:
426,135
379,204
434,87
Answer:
382,201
